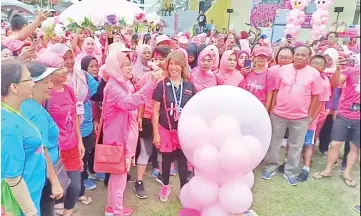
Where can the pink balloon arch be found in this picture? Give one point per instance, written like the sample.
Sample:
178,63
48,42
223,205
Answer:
225,133
296,17
320,18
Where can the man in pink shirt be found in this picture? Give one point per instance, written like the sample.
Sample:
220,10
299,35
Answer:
319,63
298,86
347,122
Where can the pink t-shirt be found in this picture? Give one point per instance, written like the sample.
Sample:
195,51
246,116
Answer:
233,79
61,107
295,91
259,84
324,97
349,106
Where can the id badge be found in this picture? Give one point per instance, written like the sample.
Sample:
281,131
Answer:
80,108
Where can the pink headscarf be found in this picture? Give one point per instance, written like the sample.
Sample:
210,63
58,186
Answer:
50,59
227,76
113,67
84,53
215,58
200,78
202,38
77,78
139,69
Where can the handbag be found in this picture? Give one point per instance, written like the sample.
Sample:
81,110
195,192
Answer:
59,168
108,158
9,205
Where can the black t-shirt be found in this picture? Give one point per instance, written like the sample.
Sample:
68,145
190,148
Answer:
187,93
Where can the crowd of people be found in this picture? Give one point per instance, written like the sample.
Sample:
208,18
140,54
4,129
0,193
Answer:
63,95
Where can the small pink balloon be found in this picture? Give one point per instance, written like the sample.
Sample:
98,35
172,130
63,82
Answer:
215,210
209,188
194,132
206,158
234,156
255,148
247,179
189,212
317,22
324,20
185,198
235,197
223,128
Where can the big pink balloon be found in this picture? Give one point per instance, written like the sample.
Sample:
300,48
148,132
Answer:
196,130
235,197
251,115
215,210
203,192
247,179
224,127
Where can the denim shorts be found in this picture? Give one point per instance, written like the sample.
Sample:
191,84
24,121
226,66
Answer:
346,129
309,137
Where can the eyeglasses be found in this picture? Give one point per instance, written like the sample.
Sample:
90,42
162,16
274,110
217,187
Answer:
318,64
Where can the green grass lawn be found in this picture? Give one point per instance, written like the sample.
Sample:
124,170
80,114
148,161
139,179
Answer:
327,197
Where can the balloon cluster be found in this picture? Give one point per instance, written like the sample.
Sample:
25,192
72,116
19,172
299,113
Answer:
225,133
320,18
296,17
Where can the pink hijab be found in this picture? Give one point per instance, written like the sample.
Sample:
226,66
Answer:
200,78
84,53
113,67
50,59
227,76
77,78
139,69
216,58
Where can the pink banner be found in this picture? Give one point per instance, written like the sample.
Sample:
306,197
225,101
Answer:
264,12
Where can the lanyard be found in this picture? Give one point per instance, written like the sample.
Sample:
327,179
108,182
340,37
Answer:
178,102
11,109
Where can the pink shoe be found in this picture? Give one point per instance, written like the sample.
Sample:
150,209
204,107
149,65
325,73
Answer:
108,211
164,193
127,211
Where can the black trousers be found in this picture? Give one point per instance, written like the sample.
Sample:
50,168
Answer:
88,159
167,159
325,134
47,203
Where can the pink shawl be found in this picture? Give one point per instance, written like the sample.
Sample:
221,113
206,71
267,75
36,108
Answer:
227,76
200,78
215,58
139,69
84,53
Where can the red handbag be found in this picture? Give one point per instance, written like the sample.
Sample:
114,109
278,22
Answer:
108,158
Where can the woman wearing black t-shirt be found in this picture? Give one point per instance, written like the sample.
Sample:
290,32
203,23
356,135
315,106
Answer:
169,97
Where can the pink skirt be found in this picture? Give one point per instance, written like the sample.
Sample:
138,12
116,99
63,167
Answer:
169,140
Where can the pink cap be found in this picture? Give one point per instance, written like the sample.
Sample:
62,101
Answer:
165,38
262,51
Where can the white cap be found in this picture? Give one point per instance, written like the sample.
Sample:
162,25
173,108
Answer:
47,72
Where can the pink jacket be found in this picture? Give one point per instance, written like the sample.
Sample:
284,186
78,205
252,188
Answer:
121,104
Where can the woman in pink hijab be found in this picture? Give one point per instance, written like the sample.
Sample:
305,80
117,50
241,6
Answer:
215,56
202,76
140,66
120,105
228,74
89,49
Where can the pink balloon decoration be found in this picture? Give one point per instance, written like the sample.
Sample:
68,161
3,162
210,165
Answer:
320,18
196,130
189,212
224,127
185,198
234,156
206,158
215,210
209,191
247,179
235,197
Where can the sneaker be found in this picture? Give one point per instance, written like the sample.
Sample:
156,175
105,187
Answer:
281,168
108,211
130,179
127,211
139,190
100,176
343,168
159,179
267,175
89,184
303,176
164,193
173,171
155,173
92,176
291,180
357,208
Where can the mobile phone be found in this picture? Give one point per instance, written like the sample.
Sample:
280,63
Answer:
288,36
350,62
248,63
